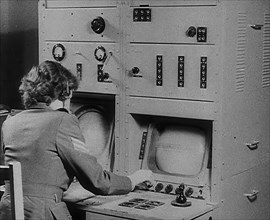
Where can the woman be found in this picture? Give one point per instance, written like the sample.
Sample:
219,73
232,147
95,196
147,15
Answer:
51,148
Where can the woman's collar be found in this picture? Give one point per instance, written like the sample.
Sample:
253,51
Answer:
40,105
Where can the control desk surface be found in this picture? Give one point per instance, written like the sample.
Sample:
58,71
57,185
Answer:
144,205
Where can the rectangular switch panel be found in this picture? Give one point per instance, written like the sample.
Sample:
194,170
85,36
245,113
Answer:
201,34
141,14
143,143
181,71
203,73
79,71
100,77
159,70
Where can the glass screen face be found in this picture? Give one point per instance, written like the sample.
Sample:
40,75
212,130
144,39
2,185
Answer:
178,150
96,130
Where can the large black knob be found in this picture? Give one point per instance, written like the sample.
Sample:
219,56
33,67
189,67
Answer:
98,25
181,198
191,31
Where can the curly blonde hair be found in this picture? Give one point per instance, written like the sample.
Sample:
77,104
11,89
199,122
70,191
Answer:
45,83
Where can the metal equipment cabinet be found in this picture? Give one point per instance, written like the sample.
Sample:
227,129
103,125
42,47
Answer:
200,63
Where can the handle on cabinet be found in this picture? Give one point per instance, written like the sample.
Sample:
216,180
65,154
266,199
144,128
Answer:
256,26
253,145
252,196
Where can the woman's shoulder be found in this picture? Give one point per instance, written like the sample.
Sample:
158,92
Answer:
66,117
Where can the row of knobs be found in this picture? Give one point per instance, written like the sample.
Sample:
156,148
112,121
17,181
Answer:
169,188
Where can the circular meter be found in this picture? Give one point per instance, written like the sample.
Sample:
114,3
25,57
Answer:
100,53
58,52
98,25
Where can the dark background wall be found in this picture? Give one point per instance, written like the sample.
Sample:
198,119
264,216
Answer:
18,46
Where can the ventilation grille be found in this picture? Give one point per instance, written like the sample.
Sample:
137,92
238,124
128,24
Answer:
266,52
241,51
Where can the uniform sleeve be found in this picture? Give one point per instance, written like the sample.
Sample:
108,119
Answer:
78,162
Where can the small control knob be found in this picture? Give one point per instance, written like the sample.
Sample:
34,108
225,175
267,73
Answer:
98,25
168,188
135,70
189,192
191,31
159,187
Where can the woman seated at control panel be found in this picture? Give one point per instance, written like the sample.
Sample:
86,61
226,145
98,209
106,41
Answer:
51,148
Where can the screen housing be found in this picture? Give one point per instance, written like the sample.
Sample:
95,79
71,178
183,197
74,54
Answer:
95,115
152,125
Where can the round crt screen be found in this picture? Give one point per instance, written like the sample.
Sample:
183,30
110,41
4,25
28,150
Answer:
96,131
180,150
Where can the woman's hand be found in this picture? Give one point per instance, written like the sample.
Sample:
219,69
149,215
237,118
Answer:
141,176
